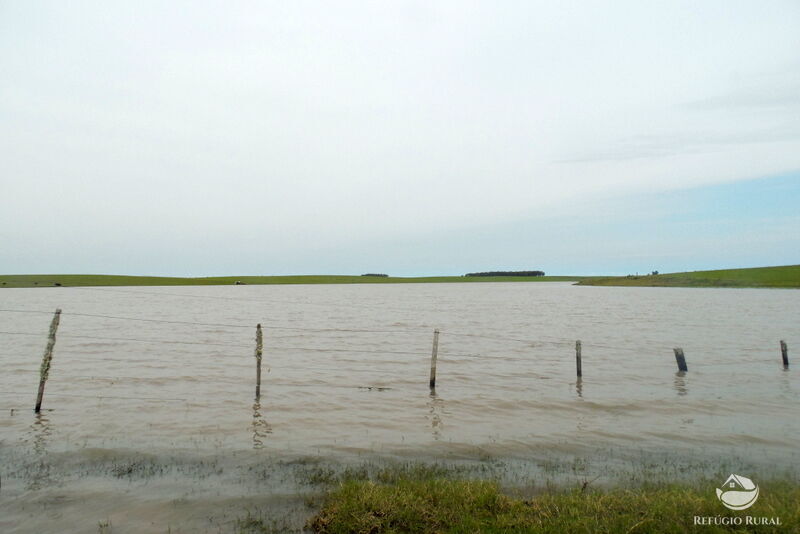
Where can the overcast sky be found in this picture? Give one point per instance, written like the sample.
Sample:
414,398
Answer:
199,138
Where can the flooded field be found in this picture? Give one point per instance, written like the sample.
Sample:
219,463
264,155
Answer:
150,422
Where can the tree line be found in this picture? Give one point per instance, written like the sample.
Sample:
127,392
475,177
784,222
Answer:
507,273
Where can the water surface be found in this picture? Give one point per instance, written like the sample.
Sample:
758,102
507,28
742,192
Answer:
346,380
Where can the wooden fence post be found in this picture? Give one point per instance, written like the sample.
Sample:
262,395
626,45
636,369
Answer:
680,359
44,370
259,349
578,357
785,354
434,354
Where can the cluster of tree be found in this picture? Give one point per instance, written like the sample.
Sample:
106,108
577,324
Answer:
376,274
508,273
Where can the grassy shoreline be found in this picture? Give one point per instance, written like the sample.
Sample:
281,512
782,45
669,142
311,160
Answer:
87,280
438,498
787,276
438,505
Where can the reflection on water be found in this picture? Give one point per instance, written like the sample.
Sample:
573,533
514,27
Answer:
680,383
507,390
40,433
785,382
435,408
260,426
505,367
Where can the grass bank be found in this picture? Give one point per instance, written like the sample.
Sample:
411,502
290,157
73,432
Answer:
464,506
78,280
778,277
465,498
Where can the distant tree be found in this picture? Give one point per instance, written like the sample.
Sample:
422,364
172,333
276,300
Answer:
654,273
381,275
507,273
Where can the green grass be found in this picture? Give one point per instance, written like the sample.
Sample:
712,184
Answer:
78,280
779,277
437,505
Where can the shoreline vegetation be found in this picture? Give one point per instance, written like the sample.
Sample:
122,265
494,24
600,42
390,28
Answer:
759,277
438,499
440,505
787,276
79,280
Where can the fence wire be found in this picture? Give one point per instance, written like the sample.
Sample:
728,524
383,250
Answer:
444,352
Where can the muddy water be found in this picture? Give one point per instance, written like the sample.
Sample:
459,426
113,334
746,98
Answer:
150,420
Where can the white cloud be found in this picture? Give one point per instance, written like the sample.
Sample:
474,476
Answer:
337,123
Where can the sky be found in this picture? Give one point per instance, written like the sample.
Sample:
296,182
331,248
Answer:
409,138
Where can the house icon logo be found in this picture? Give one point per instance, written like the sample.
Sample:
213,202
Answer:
738,493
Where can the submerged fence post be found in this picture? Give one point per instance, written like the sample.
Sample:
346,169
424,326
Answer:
680,359
785,354
259,348
44,370
578,357
434,354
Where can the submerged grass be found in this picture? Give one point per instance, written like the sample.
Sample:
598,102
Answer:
79,280
449,498
787,276
653,494
437,505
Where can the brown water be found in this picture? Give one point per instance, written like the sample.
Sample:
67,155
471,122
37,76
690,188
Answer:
151,435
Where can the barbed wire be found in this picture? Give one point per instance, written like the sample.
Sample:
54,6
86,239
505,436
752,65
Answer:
158,341
443,353
225,325
559,342
498,338
175,399
242,299
230,378
57,394
236,378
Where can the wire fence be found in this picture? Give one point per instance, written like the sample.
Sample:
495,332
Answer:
563,342
239,348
